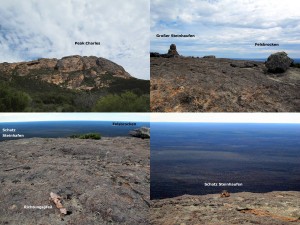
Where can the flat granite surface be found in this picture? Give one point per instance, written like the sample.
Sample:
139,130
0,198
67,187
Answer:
188,84
100,181
273,208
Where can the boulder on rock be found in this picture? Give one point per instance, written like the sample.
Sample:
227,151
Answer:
278,62
143,132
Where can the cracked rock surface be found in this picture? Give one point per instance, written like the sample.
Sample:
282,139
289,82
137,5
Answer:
100,181
187,84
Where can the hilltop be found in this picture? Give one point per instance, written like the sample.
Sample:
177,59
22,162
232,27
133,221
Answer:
210,84
71,72
72,83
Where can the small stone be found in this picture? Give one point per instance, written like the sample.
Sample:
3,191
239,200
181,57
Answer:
12,207
225,194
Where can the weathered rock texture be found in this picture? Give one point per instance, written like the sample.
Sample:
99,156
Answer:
221,85
73,72
278,62
101,181
276,208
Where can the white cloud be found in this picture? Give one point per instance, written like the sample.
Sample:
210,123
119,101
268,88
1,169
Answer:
224,22
31,29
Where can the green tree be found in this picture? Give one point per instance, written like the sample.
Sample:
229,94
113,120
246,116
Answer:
12,100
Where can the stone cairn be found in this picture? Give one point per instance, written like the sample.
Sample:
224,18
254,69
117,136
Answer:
172,51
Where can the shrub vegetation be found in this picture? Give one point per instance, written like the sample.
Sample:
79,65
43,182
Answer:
95,136
125,102
30,94
12,100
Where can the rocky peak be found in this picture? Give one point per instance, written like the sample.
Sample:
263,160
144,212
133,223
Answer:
70,64
67,64
74,72
107,65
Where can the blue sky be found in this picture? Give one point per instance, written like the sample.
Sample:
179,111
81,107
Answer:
25,117
226,28
48,29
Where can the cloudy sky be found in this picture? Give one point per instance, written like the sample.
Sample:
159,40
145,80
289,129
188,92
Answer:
227,28
33,29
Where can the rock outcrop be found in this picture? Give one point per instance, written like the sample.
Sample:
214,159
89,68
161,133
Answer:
143,132
70,64
276,208
278,62
154,54
73,72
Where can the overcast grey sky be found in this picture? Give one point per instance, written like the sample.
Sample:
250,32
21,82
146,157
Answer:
227,28
33,29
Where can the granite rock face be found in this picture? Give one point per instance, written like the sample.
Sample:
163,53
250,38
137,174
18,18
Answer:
276,208
278,62
70,64
73,72
103,181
